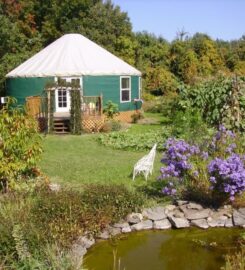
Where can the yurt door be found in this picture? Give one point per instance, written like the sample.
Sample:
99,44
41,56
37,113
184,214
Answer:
62,98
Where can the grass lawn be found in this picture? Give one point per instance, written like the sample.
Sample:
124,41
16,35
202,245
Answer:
76,160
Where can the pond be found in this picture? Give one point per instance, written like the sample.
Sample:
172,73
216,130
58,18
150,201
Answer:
193,249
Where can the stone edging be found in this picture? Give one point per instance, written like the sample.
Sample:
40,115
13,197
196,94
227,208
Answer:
182,215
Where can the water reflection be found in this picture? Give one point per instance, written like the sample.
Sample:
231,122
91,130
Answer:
165,250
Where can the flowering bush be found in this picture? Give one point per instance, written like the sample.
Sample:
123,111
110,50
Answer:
214,168
228,175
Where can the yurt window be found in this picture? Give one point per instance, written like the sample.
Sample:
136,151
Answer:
125,89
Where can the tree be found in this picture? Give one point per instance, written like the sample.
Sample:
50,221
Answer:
160,79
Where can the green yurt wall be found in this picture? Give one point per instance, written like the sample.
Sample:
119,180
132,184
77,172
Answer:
20,88
109,87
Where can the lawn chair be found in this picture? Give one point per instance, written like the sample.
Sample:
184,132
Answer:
145,164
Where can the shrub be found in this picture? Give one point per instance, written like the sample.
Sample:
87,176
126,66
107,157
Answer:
189,125
220,101
111,110
154,106
33,223
20,145
214,173
111,125
62,216
137,116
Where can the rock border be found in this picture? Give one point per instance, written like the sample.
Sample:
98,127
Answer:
183,214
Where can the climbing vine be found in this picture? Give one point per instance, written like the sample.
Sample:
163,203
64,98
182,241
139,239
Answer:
75,111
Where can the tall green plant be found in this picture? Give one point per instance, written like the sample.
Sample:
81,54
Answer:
75,111
20,144
220,100
111,110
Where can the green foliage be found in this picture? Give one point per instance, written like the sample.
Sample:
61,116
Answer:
136,117
50,110
75,111
27,26
111,202
139,141
20,145
38,229
20,243
111,110
111,125
159,78
219,100
154,105
61,217
190,126
236,261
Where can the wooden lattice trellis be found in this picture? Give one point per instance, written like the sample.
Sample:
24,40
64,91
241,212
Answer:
93,123
125,116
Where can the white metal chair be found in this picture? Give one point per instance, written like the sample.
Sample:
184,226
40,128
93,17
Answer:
145,164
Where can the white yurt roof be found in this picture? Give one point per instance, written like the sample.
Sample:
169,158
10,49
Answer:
73,55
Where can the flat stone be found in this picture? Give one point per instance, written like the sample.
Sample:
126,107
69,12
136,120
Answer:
104,235
78,251
121,225
85,241
200,223
197,214
229,223
217,222
242,211
178,214
126,229
179,222
221,212
239,217
194,206
155,213
114,231
143,225
180,202
162,224
134,218
170,207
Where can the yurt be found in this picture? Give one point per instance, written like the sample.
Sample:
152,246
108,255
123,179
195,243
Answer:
74,56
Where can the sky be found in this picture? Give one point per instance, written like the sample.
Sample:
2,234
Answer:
223,19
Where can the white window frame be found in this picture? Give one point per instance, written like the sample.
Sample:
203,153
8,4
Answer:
68,101
140,88
123,89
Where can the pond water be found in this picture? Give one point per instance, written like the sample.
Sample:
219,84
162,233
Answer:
190,249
